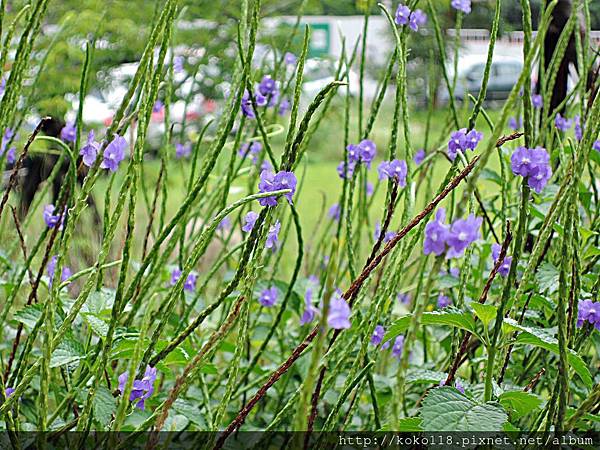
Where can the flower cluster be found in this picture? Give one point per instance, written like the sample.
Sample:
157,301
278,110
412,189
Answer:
443,301
273,236
414,19
65,274
462,5
588,311
533,164
250,220
251,149
270,182
461,140
142,389
562,123
393,170
266,94
310,311
183,150
190,282
506,262
364,152
377,339
452,239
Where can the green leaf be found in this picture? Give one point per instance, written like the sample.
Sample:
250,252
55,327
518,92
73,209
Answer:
539,337
188,410
446,409
104,406
449,316
67,352
29,315
547,278
99,301
410,424
521,403
425,376
98,326
486,313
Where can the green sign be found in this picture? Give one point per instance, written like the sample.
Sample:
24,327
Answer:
320,40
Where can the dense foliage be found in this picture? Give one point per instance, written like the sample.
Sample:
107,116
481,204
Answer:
446,277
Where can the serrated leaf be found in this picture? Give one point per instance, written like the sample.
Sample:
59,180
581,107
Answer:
98,326
446,409
485,313
67,352
29,315
547,278
522,403
425,376
539,337
104,406
191,412
99,301
410,424
449,316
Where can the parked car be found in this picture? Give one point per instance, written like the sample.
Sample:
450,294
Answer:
504,74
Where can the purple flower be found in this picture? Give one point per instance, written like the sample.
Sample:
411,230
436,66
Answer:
182,150
346,170
11,155
267,86
562,123
268,297
462,5
178,64
353,153
284,107
253,149
537,101
339,312
309,310
398,347
378,336
290,59
533,164
462,233
224,224
402,14
334,212
142,389
472,139
89,151
190,282
261,100
515,124
417,19
68,132
459,387
443,301
9,391
369,188
273,236
250,220
403,298
505,266
597,146
457,142
436,233
419,156
2,85
454,272
65,274
270,182
395,169
158,106
52,219
367,150
246,105
588,311
578,128
114,153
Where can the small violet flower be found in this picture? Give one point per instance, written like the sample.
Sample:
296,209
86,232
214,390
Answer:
273,236
142,389
505,266
68,133
588,311
334,212
114,153
250,220
419,156
90,150
182,150
394,170
190,282
462,5
443,301
339,312
537,101
268,297
290,59
562,123
52,219
533,164
270,182
65,274
398,347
